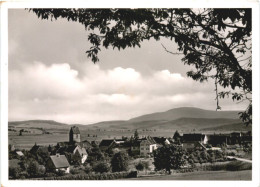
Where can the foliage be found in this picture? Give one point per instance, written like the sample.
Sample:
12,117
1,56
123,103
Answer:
217,42
95,155
14,172
87,169
103,176
169,157
177,137
231,166
119,162
136,135
142,165
34,170
101,167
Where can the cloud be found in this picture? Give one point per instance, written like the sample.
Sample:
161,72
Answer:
59,93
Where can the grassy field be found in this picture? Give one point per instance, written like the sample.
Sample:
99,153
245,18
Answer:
204,175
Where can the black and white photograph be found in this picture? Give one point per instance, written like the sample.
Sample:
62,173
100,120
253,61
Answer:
131,94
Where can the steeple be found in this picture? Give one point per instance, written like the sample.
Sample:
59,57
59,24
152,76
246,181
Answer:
74,135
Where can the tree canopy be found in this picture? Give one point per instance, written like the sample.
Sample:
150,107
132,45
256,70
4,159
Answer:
217,42
169,157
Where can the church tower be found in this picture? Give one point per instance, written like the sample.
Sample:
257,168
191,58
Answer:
74,135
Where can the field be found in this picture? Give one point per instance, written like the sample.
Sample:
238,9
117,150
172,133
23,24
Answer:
26,141
204,175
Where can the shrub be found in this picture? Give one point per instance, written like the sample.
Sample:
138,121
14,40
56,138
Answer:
50,175
238,166
140,166
74,171
101,167
87,169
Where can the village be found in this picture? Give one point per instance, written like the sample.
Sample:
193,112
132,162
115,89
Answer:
127,157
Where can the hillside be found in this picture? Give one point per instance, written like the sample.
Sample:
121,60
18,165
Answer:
185,118
186,112
46,124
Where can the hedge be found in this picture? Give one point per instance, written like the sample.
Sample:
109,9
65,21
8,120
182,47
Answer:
104,176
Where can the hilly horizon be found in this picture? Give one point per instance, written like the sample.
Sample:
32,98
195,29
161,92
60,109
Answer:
183,118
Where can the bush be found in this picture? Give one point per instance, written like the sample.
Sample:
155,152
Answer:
101,167
140,166
88,169
50,175
238,166
75,171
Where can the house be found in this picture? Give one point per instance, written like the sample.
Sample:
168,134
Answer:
191,146
58,163
147,146
76,151
135,147
217,140
202,138
161,141
74,134
106,144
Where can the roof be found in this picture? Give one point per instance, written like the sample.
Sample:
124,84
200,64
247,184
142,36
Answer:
20,153
106,142
149,139
192,137
159,140
75,130
82,151
59,161
85,144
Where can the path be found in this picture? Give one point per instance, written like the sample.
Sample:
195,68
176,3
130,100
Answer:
240,159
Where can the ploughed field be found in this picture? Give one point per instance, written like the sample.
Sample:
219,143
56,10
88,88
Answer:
203,175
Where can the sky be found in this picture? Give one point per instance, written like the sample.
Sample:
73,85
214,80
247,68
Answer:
51,78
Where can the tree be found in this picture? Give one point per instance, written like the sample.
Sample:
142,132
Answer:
119,162
169,157
136,135
33,169
177,137
217,42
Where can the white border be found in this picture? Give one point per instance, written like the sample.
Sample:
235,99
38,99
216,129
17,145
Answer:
127,4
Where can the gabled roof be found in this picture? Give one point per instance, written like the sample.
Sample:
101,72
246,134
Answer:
106,143
75,130
149,140
59,161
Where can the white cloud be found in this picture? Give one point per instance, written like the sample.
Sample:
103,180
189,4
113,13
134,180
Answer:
57,92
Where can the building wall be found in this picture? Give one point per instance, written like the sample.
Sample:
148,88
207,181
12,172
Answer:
146,148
